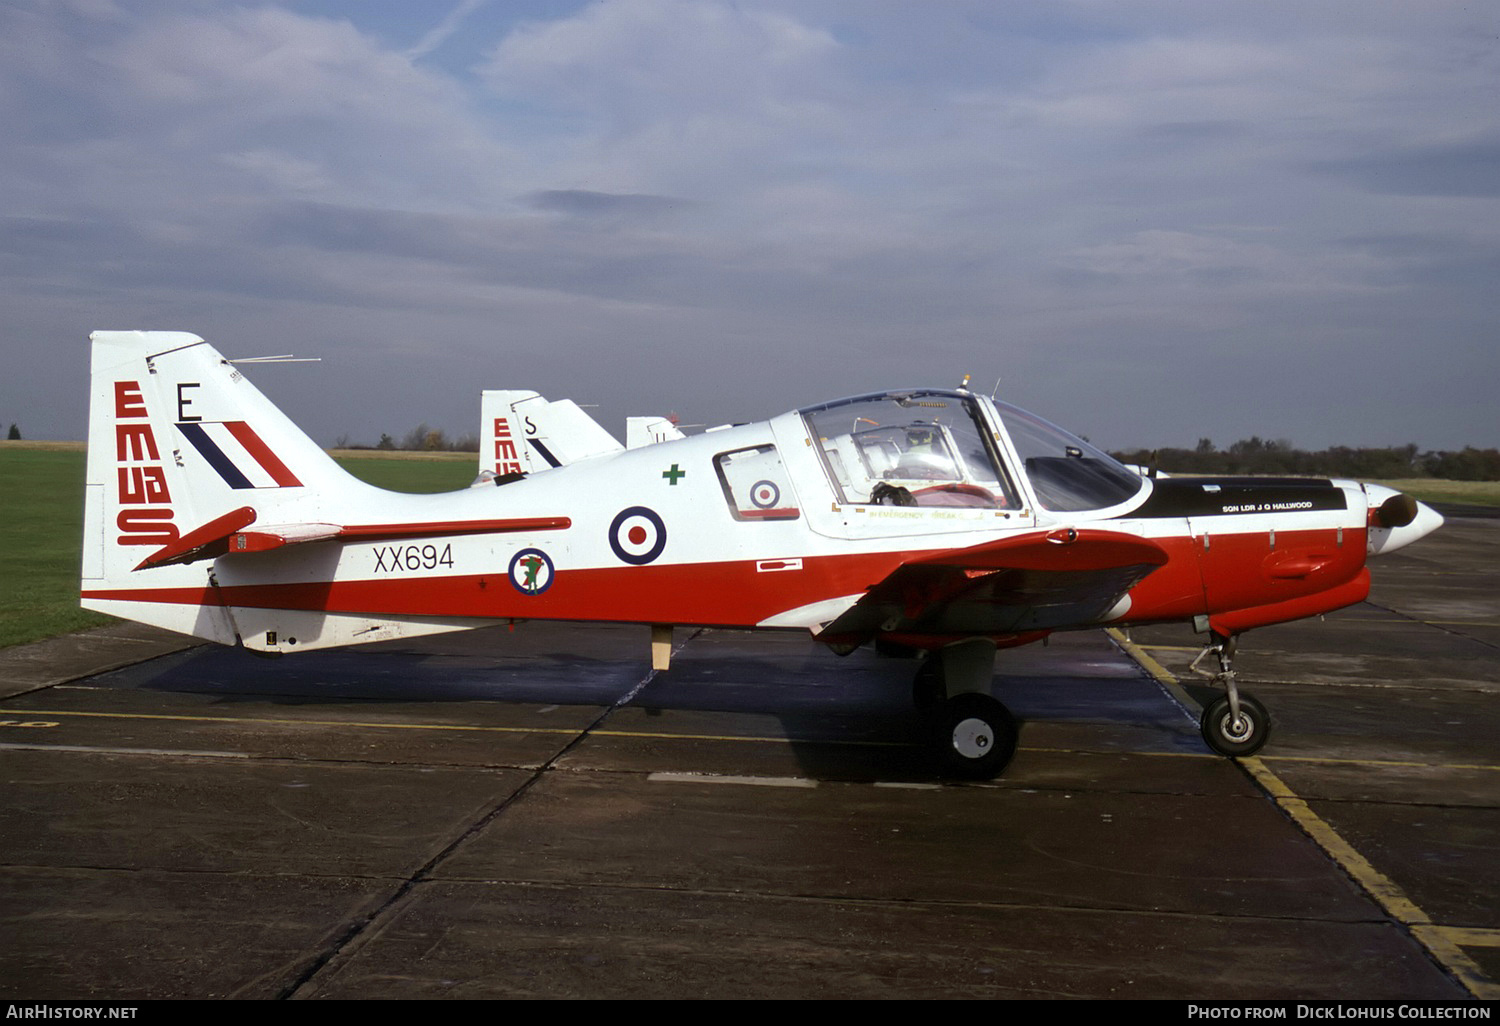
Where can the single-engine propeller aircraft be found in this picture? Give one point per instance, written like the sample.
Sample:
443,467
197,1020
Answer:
921,519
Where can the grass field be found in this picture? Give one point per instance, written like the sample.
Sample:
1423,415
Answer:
411,472
1467,493
41,539
41,522
41,526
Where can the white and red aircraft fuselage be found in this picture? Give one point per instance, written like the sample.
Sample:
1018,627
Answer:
929,519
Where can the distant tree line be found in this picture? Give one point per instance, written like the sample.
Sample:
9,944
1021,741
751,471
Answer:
419,439
1256,455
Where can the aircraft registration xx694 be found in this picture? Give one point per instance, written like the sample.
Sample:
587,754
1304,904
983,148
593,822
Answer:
934,520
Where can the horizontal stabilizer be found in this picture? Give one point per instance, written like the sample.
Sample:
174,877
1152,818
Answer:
226,534
204,542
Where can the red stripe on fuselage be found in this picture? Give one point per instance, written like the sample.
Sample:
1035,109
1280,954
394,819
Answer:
1242,573
441,528
719,594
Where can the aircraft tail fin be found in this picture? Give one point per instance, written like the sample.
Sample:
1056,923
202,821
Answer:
521,432
183,447
641,431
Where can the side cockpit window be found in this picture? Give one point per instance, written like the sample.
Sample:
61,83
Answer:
911,449
755,484
1067,473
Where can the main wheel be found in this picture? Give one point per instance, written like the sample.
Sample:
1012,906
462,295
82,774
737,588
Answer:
1228,737
975,736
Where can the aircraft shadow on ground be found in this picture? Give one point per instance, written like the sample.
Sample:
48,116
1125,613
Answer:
847,718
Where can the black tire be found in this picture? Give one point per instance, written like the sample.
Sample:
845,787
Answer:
974,736
1229,738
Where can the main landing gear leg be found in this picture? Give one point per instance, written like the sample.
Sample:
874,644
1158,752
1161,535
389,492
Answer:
1234,723
973,735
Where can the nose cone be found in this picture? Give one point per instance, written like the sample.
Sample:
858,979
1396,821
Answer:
1397,520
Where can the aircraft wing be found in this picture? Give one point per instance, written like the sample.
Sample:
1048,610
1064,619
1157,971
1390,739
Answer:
1062,578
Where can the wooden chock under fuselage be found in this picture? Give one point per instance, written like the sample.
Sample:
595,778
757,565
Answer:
661,646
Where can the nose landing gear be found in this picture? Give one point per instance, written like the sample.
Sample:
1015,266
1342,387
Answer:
1235,723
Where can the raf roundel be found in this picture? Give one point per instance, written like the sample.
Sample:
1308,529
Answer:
765,494
637,535
531,571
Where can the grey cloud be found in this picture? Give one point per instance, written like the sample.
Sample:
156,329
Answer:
1187,132
1460,169
1436,261
33,236
584,203
1142,219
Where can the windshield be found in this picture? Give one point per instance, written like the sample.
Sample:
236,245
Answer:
1068,474
910,449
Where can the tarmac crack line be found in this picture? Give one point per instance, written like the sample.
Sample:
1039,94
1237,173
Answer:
1437,624
921,902
357,933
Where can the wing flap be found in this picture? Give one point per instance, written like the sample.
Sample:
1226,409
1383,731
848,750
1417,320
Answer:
1041,581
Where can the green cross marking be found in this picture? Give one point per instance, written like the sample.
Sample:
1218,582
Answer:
673,474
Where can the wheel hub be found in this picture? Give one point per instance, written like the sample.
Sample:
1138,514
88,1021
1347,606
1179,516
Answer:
1238,730
972,738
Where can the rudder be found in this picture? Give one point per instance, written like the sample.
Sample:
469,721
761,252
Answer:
179,439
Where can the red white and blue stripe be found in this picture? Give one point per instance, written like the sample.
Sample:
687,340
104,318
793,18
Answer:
238,454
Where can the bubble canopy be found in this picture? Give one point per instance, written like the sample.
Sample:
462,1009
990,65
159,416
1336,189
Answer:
940,448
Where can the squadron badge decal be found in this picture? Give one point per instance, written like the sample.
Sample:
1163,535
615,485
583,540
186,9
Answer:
531,571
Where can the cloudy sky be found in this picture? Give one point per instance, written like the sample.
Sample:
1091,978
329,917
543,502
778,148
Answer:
1150,221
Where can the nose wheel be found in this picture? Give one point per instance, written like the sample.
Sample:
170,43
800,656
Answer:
1235,723
1229,734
